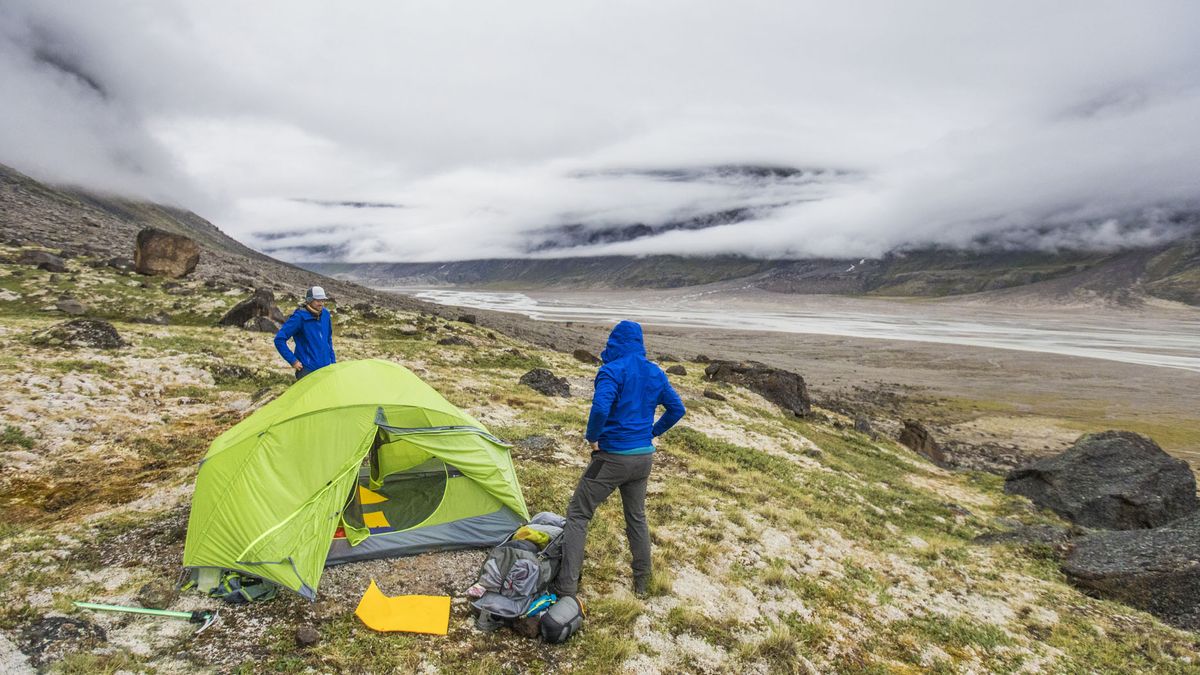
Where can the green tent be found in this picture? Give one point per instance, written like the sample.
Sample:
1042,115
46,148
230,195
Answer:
287,491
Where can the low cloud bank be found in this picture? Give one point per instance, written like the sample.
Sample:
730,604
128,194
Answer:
766,129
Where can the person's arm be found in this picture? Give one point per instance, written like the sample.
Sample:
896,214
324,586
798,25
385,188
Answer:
674,412
602,403
332,355
285,333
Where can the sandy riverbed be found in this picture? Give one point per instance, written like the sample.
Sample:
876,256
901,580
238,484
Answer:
1039,375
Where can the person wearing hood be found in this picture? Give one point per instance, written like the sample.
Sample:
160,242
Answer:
311,328
621,428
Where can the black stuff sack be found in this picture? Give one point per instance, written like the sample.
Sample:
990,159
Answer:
562,620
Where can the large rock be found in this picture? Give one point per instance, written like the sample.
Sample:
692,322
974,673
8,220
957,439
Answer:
781,387
307,636
70,306
917,438
80,333
1056,536
42,260
1156,570
156,595
584,356
545,382
1116,480
677,369
257,312
159,319
160,253
120,264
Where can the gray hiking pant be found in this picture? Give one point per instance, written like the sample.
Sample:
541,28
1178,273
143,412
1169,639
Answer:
607,472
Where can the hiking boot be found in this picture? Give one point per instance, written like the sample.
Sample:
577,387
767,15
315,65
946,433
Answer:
641,587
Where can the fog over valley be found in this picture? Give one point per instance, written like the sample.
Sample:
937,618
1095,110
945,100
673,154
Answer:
770,130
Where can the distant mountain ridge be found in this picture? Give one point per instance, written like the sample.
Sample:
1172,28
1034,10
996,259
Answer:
1127,277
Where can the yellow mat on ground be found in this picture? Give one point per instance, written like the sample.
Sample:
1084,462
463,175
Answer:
405,613
375,519
366,496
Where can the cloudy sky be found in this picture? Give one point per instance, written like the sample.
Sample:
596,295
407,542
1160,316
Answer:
455,130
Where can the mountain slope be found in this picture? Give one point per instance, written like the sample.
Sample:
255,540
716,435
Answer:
1168,272
80,223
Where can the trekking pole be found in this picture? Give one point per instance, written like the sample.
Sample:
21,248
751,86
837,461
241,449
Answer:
202,616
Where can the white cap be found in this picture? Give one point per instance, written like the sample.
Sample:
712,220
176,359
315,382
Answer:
316,293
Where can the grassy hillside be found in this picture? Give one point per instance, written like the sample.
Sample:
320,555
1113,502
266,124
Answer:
781,545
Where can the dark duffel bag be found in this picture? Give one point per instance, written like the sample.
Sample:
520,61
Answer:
562,620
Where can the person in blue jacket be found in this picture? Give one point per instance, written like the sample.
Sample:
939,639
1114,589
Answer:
311,328
621,428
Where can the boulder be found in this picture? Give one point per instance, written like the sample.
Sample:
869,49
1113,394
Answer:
365,310
307,636
468,318
667,358
701,358
43,261
262,324
709,393
120,264
1157,570
862,424
161,253
917,438
545,382
1116,480
781,387
80,333
677,370
257,312
71,306
997,458
1026,535
160,319
584,356
156,595
454,340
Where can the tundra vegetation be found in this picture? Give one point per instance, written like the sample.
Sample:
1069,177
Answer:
781,544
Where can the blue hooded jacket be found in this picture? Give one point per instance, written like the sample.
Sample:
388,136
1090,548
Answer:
629,390
313,336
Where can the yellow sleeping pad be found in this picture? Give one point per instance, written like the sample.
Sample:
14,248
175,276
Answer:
366,496
404,613
375,519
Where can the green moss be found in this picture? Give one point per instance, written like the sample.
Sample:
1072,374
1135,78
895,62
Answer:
13,437
84,663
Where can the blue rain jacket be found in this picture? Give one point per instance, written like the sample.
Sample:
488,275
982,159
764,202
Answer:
629,390
313,336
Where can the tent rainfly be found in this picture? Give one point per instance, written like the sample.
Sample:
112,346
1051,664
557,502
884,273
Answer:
287,491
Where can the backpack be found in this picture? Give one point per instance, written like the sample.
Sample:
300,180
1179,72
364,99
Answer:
562,620
506,600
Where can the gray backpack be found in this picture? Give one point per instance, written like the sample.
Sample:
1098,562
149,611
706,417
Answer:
562,620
